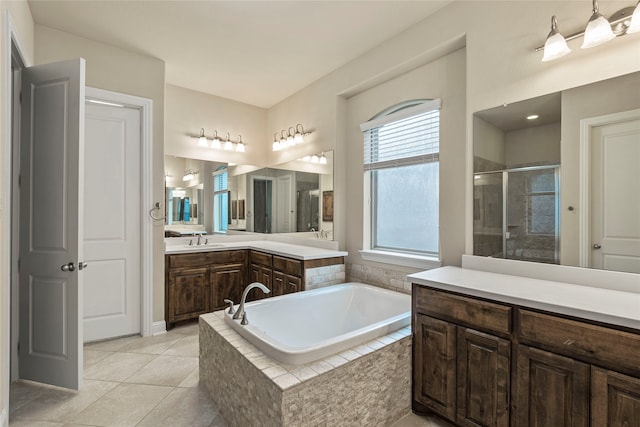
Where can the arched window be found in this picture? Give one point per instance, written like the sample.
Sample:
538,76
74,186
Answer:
401,166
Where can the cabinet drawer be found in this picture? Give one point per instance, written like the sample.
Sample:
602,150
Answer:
226,257
186,260
466,311
261,259
598,344
287,265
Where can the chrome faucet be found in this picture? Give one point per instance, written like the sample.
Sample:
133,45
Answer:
241,313
199,238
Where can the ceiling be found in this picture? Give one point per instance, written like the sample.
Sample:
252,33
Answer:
256,52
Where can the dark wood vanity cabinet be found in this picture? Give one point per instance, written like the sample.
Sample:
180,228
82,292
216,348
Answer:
198,283
281,275
188,290
461,368
550,389
483,363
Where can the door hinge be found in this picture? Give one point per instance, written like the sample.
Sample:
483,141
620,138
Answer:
18,266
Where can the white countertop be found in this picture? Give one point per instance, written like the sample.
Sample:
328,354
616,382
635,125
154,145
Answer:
301,252
601,305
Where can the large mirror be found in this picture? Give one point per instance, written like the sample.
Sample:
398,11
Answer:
296,197
556,177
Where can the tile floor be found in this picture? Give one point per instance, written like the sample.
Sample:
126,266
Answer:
134,381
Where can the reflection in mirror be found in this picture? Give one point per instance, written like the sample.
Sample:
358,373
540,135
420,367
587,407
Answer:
599,216
296,197
516,180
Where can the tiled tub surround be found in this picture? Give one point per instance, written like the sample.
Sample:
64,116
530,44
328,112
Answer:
369,384
320,277
387,278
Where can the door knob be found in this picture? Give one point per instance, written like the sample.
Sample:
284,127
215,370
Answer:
596,246
68,267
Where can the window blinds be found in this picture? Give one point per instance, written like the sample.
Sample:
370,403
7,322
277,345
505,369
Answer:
220,182
408,136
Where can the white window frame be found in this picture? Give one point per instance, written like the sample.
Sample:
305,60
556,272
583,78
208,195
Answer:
368,253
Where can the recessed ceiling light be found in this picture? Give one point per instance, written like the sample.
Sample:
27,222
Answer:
532,117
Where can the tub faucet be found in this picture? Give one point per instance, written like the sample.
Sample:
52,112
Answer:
241,313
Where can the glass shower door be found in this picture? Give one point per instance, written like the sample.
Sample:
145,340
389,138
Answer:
516,214
488,209
531,229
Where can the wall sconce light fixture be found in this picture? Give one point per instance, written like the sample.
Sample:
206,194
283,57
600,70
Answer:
217,143
315,158
293,137
189,175
599,30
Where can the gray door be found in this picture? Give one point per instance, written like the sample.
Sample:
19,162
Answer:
51,182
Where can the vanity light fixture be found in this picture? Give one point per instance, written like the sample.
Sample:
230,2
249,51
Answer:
276,143
315,158
189,175
202,140
217,143
228,145
599,30
240,145
556,46
293,137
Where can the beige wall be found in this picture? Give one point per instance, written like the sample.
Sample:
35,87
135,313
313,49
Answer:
188,111
535,145
18,13
501,66
444,79
114,69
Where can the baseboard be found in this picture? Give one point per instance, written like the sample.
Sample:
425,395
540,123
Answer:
158,328
4,419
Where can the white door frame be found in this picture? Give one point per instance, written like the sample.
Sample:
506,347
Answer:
586,126
146,223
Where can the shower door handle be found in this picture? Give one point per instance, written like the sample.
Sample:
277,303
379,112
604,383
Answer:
596,246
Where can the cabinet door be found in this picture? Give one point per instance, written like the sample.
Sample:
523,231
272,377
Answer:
285,283
188,294
550,390
434,361
483,367
226,282
262,275
615,399
291,284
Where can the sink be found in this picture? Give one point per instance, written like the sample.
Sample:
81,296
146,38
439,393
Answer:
208,245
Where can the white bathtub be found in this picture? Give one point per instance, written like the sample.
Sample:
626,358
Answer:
299,328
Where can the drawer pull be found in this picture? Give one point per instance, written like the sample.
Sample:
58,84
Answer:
568,342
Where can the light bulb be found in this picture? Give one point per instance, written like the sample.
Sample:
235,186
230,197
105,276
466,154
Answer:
634,26
598,29
556,46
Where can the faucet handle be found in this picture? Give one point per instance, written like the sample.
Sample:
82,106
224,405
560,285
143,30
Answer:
228,301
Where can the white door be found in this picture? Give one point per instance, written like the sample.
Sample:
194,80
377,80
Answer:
51,181
112,286
615,196
283,204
